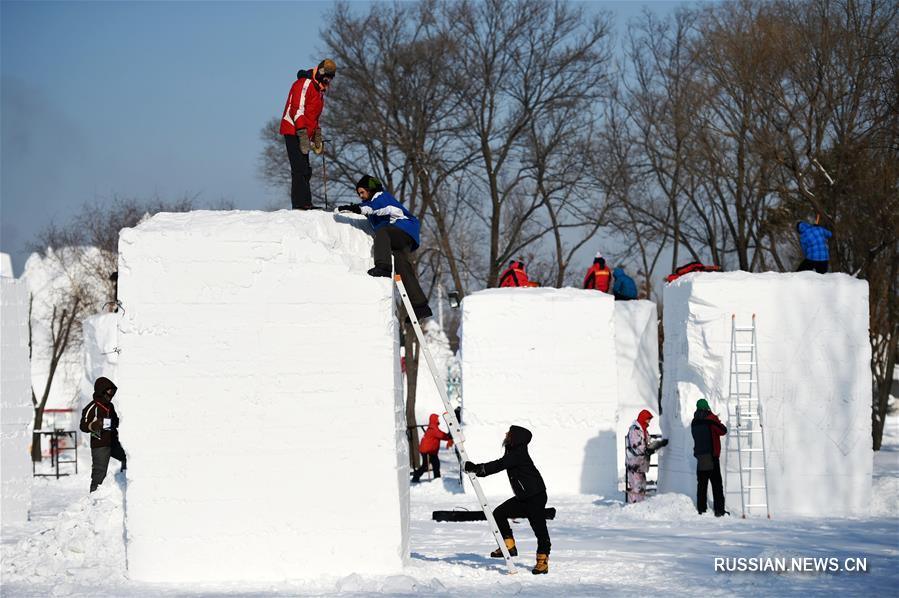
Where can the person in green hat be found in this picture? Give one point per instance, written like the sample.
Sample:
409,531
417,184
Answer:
707,431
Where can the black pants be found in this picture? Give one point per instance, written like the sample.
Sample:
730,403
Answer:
300,173
390,239
531,508
100,461
435,466
819,266
702,488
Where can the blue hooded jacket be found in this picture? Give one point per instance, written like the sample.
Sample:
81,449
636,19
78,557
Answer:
383,209
624,285
813,239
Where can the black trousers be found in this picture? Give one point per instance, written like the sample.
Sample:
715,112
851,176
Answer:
819,266
390,239
702,488
531,508
100,461
300,173
435,466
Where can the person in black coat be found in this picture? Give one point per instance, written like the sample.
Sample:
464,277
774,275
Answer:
707,431
100,420
530,494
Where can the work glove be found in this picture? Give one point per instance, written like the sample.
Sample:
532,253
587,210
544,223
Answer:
470,467
351,207
303,136
318,145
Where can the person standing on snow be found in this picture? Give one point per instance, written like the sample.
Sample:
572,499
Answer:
707,431
100,420
515,276
299,125
530,495
624,287
638,450
396,232
598,275
813,239
429,447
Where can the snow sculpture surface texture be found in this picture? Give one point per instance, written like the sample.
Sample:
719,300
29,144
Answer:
260,401
16,411
637,356
814,383
543,359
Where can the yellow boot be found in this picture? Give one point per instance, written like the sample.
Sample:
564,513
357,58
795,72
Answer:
510,544
542,566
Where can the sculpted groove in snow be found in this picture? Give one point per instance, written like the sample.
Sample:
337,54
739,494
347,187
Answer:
543,359
258,364
814,384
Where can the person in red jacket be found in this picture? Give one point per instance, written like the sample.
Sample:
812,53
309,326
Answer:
599,275
429,447
515,276
299,125
707,431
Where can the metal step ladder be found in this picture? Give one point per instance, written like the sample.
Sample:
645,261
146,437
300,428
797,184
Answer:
745,413
450,417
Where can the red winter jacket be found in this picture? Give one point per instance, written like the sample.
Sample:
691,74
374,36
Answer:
303,108
515,276
430,443
598,278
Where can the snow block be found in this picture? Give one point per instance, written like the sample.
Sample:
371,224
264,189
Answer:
260,399
814,378
16,411
543,359
637,356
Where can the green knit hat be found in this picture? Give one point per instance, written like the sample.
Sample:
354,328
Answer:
702,405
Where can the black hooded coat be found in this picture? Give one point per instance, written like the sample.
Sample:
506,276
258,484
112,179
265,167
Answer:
99,409
526,481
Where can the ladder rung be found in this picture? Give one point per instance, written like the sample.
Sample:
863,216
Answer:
744,328
745,363
754,487
761,504
742,450
753,469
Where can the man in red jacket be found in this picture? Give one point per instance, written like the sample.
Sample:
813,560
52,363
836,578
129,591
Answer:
429,448
299,125
599,275
515,276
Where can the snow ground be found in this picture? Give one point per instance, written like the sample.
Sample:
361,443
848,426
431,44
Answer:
73,546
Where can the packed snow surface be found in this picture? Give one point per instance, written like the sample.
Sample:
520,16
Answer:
260,400
814,386
543,359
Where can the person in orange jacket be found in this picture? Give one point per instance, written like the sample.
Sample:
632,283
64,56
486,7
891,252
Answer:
515,276
429,448
299,125
598,275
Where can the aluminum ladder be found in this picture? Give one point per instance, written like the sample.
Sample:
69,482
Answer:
747,415
450,417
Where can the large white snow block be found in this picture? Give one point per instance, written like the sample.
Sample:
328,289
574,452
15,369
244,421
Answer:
637,356
16,411
543,359
260,400
814,373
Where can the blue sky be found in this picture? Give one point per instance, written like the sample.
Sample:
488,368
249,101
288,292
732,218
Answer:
146,99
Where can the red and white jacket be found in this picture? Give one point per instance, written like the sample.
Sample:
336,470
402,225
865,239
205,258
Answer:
303,108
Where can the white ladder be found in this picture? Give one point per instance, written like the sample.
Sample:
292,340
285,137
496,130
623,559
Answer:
453,423
747,415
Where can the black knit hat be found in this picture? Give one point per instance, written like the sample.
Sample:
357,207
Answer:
370,184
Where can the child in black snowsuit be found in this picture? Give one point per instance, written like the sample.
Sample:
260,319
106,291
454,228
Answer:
530,494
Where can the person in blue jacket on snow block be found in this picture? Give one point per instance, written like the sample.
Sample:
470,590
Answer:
624,288
813,239
396,232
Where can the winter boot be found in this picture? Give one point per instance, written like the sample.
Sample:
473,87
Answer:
542,566
378,271
510,544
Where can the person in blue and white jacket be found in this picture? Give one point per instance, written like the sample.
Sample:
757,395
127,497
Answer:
396,231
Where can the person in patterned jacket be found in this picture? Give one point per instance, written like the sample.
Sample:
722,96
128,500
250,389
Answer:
100,420
813,239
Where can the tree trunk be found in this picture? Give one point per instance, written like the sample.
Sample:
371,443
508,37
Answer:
410,342
36,438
